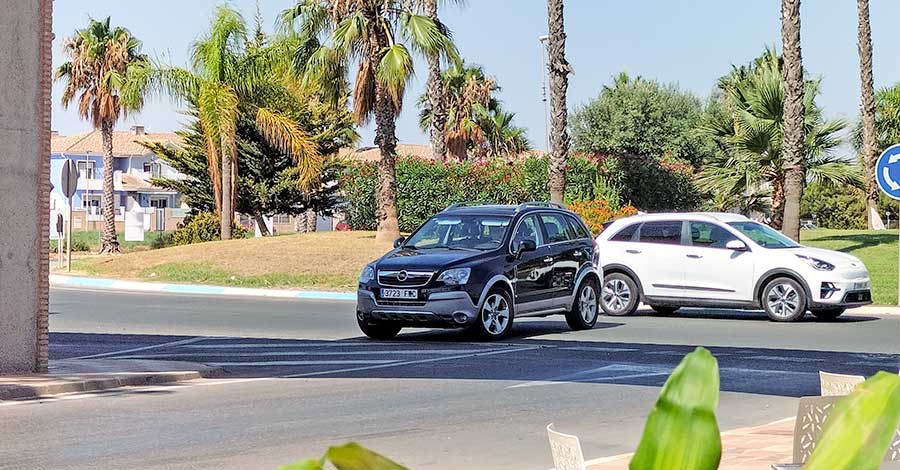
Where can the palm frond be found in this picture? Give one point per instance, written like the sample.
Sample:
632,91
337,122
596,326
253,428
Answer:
284,133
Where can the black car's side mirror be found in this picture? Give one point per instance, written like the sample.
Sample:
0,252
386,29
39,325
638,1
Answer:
399,242
524,247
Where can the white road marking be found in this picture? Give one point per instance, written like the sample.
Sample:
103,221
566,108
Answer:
299,363
787,359
412,352
143,348
629,376
588,348
586,375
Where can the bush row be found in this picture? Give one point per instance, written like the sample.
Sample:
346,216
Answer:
426,187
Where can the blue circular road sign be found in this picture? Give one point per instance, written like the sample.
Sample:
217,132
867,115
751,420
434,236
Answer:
887,171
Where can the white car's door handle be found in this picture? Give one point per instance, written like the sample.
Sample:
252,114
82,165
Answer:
633,252
694,256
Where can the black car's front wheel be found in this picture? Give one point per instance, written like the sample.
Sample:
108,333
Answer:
495,319
583,315
376,330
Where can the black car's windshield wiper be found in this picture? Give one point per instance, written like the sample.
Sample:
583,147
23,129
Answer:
448,247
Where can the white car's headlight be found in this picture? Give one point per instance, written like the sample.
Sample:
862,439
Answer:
817,263
367,274
457,276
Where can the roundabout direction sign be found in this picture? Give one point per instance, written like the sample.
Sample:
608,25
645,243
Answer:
887,174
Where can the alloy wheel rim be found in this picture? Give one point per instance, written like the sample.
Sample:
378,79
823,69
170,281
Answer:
495,314
588,305
616,295
783,300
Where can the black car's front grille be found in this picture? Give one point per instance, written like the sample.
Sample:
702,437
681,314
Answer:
404,278
400,303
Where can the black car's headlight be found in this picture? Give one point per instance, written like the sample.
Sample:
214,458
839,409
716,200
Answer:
455,277
817,263
367,274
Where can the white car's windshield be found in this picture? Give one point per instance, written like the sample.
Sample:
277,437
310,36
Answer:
474,232
763,235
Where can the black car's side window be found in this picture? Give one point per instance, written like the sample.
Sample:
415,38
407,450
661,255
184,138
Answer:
667,232
578,228
556,227
626,234
528,229
707,235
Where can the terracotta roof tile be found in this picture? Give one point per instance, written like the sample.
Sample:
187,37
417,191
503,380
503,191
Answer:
125,143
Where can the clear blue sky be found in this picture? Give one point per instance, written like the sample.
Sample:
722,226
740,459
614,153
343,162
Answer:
689,43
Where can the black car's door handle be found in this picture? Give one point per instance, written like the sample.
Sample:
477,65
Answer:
548,259
694,256
633,252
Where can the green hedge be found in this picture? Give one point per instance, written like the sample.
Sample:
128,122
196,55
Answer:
426,187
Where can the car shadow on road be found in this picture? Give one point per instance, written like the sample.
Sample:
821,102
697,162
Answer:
745,315
521,330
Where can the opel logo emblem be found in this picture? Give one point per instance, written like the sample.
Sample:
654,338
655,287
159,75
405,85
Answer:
401,276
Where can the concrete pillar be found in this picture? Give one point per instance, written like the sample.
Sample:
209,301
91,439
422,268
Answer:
25,66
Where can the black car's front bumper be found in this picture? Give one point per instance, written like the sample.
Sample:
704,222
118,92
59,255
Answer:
453,309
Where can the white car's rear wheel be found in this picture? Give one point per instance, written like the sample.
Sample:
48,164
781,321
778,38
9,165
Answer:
620,295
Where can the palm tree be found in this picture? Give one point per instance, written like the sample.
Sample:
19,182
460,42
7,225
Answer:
436,98
559,84
794,116
502,138
230,73
750,131
867,88
101,61
379,36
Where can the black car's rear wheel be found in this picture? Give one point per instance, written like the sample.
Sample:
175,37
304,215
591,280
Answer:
495,319
377,330
585,308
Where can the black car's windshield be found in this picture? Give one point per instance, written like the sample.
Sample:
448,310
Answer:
764,235
472,232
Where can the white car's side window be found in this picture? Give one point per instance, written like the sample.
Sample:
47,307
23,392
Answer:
707,235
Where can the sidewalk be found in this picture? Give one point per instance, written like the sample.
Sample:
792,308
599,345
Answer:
754,448
91,375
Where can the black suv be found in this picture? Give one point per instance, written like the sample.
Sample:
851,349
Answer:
480,266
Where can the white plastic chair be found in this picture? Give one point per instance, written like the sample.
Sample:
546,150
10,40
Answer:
566,450
838,385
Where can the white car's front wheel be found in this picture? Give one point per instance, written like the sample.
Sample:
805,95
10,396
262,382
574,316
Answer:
784,300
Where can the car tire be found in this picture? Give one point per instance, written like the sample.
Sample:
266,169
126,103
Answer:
784,300
664,309
495,317
376,330
620,295
585,307
828,314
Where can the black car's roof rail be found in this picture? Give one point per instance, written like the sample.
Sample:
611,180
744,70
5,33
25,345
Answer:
464,204
526,205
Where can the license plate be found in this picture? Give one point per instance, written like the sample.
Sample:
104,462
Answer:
400,294
860,285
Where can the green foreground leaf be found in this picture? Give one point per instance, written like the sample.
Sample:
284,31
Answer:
681,431
353,456
311,464
860,427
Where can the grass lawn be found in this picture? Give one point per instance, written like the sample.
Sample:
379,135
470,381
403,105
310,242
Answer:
877,249
326,260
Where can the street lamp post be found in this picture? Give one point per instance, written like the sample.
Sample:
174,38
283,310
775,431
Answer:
543,41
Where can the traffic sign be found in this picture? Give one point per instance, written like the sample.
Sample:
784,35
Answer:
69,178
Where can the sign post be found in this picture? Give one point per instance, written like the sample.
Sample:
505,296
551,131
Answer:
887,173
69,183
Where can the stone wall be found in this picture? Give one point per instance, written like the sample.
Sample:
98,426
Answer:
25,65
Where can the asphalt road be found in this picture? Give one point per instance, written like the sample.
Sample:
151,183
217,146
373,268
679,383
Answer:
299,378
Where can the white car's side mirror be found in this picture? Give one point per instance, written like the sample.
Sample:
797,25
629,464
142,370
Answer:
736,245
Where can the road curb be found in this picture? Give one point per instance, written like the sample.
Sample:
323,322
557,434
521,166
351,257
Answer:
26,391
136,286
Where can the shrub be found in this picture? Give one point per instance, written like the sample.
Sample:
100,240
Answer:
426,187
596,212
202,227
162,240
834,207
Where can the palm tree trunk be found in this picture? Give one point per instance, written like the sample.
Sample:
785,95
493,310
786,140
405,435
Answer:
227,216
436,95
109,240
261,223
777,203
312,219
559,84
386,139
869,150
794,112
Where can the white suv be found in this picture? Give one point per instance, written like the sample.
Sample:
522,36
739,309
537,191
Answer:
724,261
